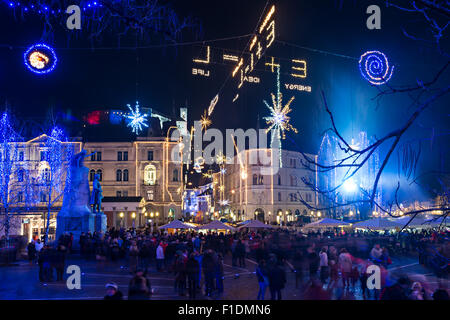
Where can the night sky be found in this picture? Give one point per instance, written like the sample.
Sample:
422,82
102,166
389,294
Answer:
86,80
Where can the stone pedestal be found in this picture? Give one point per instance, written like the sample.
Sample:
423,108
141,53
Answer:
100,222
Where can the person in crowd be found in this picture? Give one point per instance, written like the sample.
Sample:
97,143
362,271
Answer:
59,262
208,267
323,264
113,292
160,256
313,259
139,287
192,270
398,291
133,256
31,248
345,265
179,269
376,253
240,253
440,293
263,279
219,274
277,281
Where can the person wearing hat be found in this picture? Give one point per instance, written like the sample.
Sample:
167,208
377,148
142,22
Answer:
113,292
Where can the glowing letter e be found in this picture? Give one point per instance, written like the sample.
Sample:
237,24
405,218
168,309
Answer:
374,20
374,280
74,20
74,280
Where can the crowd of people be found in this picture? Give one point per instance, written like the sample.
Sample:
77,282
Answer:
326,265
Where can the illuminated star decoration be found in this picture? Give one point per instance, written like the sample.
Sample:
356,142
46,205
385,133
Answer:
278,120
40,58
205,121
374,67
224,202
136,119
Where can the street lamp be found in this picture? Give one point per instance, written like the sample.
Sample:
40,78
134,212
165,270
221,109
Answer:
350,186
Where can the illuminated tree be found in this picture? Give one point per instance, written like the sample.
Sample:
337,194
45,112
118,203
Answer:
15,187
53,171
422,95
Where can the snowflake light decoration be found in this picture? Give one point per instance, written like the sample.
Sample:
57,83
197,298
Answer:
205,121
278,120
136,119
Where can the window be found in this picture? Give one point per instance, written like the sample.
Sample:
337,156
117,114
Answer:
125,193
42,155
150,155
20,196
150,175
46,175
119,155
293,181
150,195
279,180
91,175
125,156
93,156
21,156
125,175
279,196
118,194
175,175
308,197
260,179
20,175
119,175
292,163
43,197
100,174
99,156
255,179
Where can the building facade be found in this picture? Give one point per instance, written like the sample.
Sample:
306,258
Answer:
145,168
253,190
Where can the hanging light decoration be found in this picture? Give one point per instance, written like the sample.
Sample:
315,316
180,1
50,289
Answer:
137,120
40,58
375,68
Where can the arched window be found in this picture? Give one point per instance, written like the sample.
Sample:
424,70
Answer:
100,174
255,179
175,175
119,175
279,180
91,175
125,175
150,175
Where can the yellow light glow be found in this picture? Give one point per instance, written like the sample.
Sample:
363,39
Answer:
319,214
213,104
267,18
271,36
230,57
205,121
272,64
157,214
302,68
207,57
121,214
38,60
252,44
133,215
241,62
151,214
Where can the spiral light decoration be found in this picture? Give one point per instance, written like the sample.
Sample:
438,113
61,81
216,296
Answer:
375,68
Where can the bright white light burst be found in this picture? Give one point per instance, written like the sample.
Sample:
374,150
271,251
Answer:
137,119
278,120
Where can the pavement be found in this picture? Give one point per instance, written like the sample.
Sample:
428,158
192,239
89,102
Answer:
20,282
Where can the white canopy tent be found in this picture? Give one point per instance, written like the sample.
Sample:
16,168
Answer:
326,223
176,224
215,225
255,224
417,222
378,224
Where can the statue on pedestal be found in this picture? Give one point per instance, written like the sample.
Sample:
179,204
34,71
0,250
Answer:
97,196
75,215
